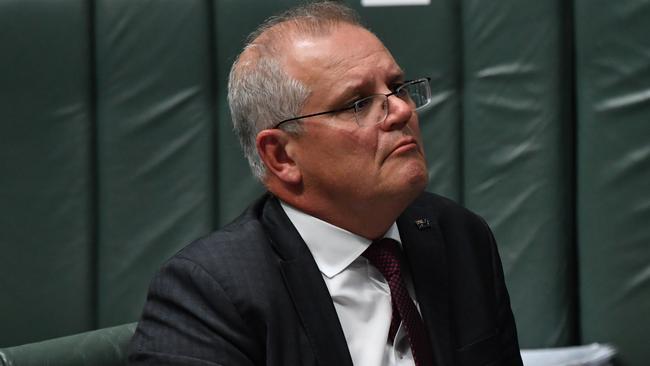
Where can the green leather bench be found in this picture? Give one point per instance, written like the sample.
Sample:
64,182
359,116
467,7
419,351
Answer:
102,347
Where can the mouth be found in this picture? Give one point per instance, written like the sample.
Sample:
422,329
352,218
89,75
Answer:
405,145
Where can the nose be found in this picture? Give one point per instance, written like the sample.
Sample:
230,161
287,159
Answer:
399,113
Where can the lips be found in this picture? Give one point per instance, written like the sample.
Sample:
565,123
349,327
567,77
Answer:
404,145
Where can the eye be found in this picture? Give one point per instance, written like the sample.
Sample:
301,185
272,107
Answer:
363,104
404,91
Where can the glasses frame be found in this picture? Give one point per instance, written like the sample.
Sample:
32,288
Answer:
354,105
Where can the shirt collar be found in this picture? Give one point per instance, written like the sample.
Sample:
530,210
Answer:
333,248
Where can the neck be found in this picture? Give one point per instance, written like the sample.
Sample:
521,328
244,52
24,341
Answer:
369,218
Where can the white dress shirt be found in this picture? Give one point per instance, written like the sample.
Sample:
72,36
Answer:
359,291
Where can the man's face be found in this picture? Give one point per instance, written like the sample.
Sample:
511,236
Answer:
341,162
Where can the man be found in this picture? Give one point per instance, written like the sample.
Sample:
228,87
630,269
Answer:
345,261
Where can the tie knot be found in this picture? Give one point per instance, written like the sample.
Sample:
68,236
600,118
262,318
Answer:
384,254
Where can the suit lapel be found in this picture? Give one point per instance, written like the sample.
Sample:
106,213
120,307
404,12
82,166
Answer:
425,253
307,288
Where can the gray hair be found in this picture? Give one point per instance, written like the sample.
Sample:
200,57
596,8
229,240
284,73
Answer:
260,92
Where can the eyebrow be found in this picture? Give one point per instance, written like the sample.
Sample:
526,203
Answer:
351,91
353,88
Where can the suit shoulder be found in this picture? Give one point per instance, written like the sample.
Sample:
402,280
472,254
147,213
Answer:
241,242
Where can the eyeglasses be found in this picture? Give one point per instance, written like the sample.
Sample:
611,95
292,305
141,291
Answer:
373,109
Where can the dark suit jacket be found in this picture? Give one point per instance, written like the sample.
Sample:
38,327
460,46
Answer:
251,294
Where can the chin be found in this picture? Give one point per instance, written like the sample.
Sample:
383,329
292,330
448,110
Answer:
406,177
418,183
416,172
415,178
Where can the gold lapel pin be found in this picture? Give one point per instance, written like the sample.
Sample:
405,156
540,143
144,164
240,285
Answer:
423,224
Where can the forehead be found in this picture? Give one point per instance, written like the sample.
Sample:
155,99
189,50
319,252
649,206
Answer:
346,54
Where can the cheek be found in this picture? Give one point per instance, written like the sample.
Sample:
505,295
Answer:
339,151
355,145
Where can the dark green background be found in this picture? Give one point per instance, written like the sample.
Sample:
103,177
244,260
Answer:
116,150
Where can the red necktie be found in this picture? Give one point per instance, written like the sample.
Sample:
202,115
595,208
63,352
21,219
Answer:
384,254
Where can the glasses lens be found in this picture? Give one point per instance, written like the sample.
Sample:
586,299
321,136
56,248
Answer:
371,110
374,109
417,93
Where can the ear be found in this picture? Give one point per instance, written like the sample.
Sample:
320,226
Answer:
272,148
